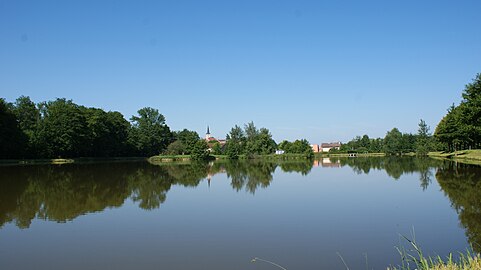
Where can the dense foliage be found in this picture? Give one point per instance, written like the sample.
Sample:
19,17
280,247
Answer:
461,127
249,141
297,147
63,129
394,143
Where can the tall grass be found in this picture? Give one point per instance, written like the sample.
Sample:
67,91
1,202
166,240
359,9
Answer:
414,258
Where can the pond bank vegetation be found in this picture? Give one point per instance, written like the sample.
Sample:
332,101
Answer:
463,156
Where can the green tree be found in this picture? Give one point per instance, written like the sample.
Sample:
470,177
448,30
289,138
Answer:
408,143
233,149
460,128
149,134
107,132
393,142
423,142
250,131
450,129
200,150
376,145
236,134
28,117
216,148
235,142
284,145
63,130
297,147
12,140
176,148
188,139
259,142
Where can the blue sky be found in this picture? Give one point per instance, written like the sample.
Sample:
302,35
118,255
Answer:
320,70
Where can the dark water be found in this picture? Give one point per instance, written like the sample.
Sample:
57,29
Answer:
221,215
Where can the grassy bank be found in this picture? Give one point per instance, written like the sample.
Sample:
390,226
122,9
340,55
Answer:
177,158
68,161
320,155
171,158
466,261
464,156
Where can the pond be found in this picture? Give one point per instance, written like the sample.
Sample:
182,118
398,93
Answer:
221,215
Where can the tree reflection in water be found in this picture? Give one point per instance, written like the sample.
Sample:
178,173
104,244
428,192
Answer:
462,185
395,167
62,193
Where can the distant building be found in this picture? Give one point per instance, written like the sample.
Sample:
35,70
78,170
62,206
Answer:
279,152
315,148
326,147
207,134
211,140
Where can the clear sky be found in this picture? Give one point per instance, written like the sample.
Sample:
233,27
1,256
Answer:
320,70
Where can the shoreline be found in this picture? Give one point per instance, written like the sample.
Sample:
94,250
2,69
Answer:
472,157
463,156
60,161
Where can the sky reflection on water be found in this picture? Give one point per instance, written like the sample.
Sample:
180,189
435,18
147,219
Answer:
221,215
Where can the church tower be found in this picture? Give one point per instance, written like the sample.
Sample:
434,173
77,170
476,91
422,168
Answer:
207,135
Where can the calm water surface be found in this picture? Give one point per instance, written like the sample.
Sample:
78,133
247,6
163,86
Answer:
221,215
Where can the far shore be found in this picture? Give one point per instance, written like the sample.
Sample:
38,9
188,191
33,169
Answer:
462,156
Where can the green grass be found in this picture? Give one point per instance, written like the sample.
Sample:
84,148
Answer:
338,154
169,158
464,156
413,257
66,161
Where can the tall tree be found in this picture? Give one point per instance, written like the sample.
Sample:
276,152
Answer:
107,132
261,143
393,142
235,142
471,112
188,139
28,117
12,139
63,130
200,150
423,142
460,128
250,131
150,135
236,134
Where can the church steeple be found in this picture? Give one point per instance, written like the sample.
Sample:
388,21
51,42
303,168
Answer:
207,135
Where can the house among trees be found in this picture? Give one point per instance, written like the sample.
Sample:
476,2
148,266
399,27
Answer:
326,147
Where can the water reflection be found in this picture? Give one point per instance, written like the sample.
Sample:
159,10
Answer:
62,193
395,167
462,185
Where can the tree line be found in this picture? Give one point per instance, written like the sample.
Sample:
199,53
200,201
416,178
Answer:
63,129
394,142
460,128
251,141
